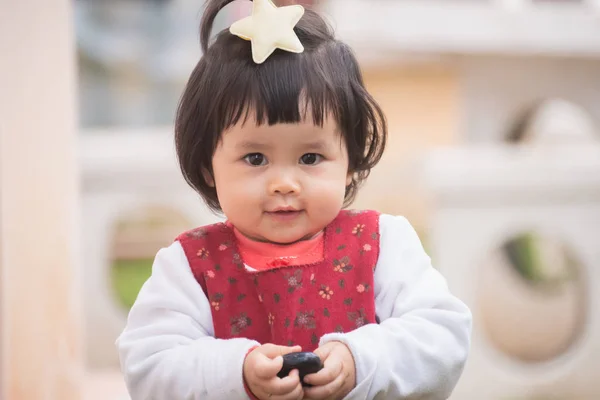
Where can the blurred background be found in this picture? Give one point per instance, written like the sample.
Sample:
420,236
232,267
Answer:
494,156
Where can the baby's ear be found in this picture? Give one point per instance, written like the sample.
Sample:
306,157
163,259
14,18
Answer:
210,181
349,178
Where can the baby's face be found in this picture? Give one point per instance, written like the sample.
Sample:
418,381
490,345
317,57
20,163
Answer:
281,183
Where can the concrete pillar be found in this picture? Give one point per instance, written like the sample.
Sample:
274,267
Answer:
39,319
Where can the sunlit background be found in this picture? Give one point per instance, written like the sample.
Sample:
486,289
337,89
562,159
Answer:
494,156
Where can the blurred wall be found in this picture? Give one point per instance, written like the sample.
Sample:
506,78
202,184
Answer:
498,90
423,106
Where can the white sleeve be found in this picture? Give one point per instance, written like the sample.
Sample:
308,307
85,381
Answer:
168,349
419,349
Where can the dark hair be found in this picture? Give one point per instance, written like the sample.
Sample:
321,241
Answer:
226,87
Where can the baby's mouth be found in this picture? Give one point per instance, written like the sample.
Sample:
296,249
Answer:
284,214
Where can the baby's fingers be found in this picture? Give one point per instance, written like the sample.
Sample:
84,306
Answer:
327,391
326,375
296,394
270,360
266,368
288,388
272,350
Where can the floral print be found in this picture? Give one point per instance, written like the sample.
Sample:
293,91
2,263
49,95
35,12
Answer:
294,280
358,317
325,292
240,323
354,213
289,304
216,301
197,233
342,265
365,249
363,287
358,229
306,320
314,339
203,253
237,261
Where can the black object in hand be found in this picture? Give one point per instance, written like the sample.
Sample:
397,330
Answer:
305,362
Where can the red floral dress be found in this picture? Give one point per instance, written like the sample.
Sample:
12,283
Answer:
289,305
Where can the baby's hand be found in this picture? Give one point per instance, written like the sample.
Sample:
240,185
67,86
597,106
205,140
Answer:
337,378
260,374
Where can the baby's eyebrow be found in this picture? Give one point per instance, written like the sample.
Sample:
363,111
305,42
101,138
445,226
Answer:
316,146
246,145
251,145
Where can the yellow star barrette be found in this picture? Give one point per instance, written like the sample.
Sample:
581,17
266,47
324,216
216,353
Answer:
269,28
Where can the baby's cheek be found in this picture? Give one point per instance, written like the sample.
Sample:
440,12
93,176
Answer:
329,198
235,194
245,187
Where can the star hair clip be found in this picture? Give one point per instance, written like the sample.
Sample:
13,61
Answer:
268,28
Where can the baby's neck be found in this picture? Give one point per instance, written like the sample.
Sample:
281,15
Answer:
302,239
259,253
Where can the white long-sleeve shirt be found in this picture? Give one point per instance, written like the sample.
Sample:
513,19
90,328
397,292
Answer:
168,349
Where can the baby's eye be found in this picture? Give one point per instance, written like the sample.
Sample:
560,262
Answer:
310,158
256,159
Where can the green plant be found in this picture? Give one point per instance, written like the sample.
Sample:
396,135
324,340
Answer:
128,276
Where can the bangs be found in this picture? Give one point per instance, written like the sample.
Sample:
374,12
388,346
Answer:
285,89
280,95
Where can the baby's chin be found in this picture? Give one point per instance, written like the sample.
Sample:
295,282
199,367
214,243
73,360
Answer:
287,239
